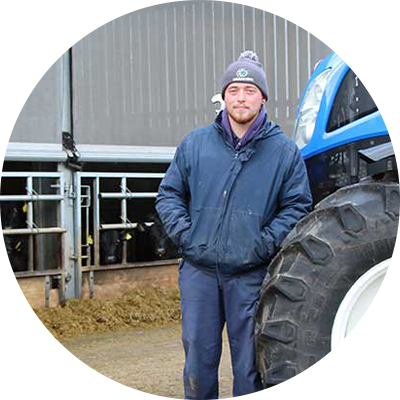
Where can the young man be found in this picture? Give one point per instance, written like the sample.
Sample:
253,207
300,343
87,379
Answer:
233,192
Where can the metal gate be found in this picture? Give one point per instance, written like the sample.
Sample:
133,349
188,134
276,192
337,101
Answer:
79,202
93,191
22,196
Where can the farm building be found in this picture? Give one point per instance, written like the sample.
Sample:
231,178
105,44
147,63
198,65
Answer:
99,130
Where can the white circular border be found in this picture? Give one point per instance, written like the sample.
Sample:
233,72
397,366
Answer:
35,34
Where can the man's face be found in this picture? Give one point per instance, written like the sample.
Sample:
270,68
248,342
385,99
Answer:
243,102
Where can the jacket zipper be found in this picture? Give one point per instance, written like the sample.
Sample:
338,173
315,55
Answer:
226,195
227,191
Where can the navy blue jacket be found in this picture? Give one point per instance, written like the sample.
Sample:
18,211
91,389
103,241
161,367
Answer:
230,211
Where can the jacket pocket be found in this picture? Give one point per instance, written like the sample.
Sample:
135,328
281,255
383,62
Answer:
185,237
199,244
262,251
241,245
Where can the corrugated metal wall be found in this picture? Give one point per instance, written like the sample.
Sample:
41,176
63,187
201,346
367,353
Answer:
147,78
40,118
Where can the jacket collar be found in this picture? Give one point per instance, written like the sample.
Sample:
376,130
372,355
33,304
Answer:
251,132
266,129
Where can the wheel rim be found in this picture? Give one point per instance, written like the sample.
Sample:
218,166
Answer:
356,302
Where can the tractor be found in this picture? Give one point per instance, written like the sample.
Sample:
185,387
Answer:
332,263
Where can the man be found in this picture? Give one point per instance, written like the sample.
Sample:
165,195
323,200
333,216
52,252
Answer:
233,192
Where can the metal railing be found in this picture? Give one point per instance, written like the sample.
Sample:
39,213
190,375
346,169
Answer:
32,230
88,214
124,195
82,228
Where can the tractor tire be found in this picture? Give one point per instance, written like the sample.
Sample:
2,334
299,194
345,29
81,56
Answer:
347,234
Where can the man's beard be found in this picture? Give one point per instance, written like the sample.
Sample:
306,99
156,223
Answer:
242,119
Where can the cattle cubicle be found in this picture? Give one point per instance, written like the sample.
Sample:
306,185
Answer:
84,231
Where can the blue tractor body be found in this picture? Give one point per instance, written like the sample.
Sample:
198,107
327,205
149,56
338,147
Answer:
336,121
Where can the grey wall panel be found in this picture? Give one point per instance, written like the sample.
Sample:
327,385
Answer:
147,78
40,119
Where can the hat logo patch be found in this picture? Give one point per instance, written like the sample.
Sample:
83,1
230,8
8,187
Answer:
242,73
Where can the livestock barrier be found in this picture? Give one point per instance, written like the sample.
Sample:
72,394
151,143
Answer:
72,234
117,227
23,236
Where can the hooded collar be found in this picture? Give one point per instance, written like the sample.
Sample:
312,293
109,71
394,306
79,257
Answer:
260,127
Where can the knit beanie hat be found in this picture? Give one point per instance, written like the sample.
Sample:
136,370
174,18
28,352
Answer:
246,69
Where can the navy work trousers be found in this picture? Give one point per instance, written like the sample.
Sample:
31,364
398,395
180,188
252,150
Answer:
208,301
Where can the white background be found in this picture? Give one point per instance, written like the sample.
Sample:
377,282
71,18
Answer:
34,34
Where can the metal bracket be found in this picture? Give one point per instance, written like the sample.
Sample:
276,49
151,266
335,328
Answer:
47,291
73,154
69,189
91,284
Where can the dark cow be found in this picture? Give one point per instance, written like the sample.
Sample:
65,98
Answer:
111,246
146,242
112,241
13,216
152,242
